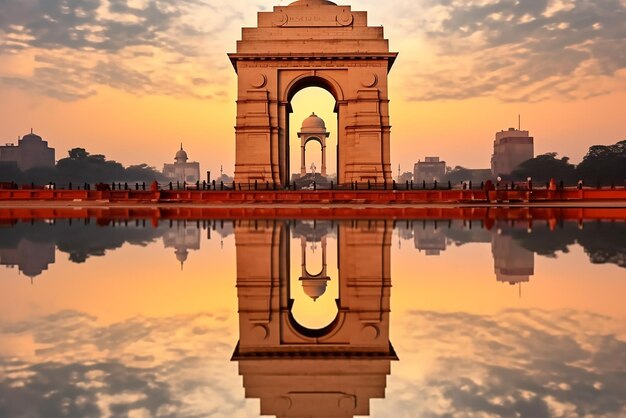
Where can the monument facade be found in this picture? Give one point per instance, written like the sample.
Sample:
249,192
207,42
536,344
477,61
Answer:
312,43
293,370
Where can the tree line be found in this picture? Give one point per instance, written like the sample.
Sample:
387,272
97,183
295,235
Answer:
604,164
80,167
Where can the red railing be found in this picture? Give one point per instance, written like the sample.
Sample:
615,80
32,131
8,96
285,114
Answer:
318,197
488,215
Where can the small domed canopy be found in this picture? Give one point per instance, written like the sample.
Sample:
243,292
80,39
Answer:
181,155
314,288
313,123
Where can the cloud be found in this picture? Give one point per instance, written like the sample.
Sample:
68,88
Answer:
520,50
138,46
517,363
139,367
452,49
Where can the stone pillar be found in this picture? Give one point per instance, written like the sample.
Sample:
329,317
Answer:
303,243
303,160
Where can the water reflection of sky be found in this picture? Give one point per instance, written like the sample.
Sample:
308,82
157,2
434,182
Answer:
113,327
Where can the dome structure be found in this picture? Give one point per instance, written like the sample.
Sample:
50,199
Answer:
314,287
181,155
32,137
313,123
181,256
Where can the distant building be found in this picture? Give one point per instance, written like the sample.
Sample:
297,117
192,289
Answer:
513,263
429,170
31,151
31,258
510,149
404,177
182,171
430,238
182,237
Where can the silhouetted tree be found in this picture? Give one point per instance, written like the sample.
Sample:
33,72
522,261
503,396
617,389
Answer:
459,174
78,153
545,167
606,163
80,167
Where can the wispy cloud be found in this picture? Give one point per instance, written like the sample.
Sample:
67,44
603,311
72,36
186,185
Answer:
453,49
520,50
139,46
174,366
517,363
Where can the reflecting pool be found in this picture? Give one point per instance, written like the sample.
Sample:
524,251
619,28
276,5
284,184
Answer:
506,316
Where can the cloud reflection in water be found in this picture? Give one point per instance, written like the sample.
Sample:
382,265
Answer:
518,363
526,363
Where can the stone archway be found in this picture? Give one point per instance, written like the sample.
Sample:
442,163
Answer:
312,43
336,370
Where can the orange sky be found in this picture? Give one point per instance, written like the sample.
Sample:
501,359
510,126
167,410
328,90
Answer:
135,98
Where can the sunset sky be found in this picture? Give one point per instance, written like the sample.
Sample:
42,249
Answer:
131,79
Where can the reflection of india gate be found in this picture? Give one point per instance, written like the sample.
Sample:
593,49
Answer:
312,43
331,372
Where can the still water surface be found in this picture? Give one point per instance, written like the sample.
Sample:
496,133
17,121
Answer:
441,318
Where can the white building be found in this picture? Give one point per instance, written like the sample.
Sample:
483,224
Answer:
31,151
182,171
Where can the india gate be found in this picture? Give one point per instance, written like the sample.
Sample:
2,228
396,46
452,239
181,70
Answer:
312,43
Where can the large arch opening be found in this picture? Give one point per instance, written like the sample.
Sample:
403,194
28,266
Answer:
307,96
313,281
